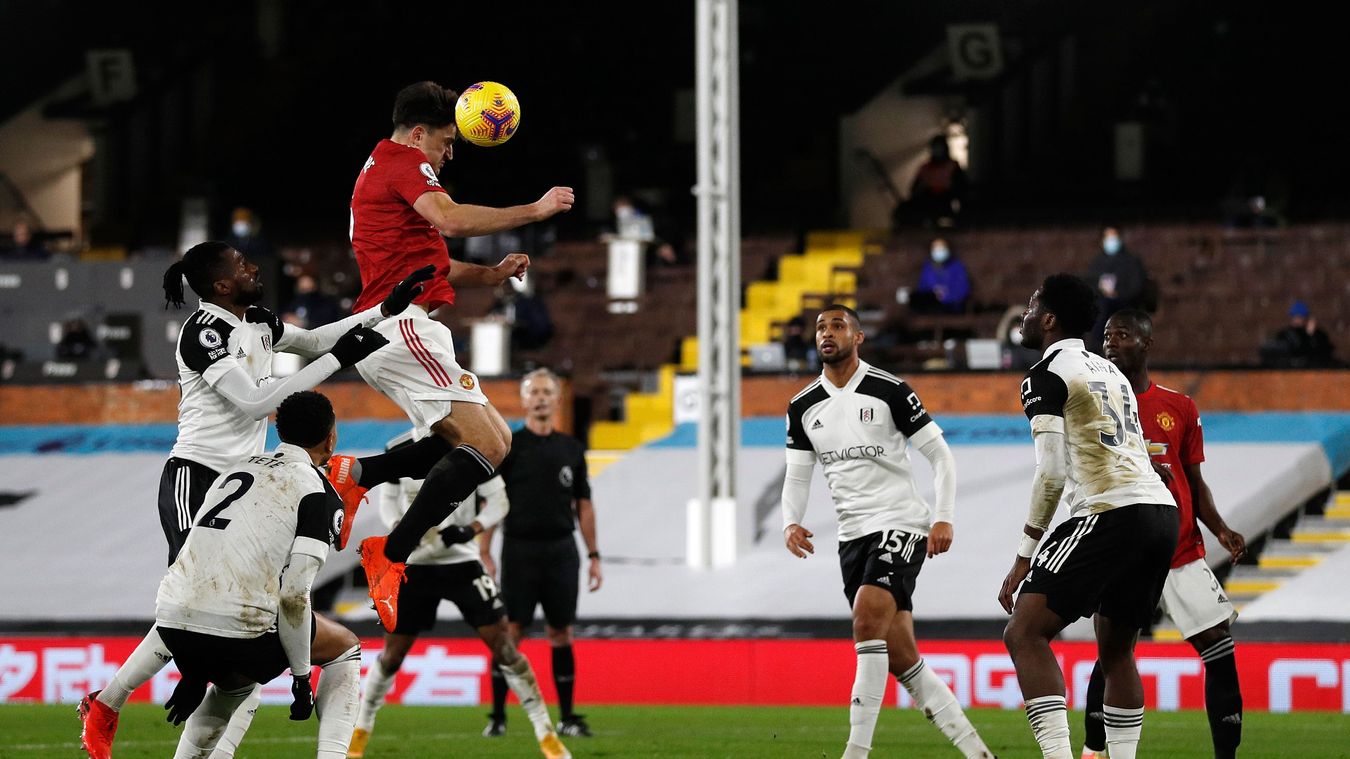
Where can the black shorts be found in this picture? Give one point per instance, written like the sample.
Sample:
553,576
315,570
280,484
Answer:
213,657
182,489
889,559
1114,564
465,584
541,573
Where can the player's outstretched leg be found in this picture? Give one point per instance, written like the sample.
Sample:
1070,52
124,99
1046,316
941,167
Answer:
930,693
379,679
1094,744
1027,638
239,724
203,729
1223,695
99,710
519,676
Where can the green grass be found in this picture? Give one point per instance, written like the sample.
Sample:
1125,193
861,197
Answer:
28,732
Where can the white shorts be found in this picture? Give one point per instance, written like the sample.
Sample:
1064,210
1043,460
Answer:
1194,599
417,369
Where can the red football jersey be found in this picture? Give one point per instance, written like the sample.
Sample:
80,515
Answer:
390,239
1171,425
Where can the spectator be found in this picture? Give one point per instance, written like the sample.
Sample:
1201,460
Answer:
944,284
939,188
1120,279
310,307
77,342
25,244
531,325
1300,344
633,223
798,351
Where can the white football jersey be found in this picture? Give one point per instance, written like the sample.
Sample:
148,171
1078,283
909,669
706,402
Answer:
227,579
860,434
211,430
1088,400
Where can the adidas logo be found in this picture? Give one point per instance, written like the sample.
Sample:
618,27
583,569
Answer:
886,557
240,354
885,580
856,701
1233,719
817,425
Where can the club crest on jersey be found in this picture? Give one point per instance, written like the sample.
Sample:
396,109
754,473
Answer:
866,415
338,516
209,338
430,174
466,381
565,476
1166,421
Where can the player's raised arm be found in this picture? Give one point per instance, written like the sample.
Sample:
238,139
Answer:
464,220
289,338
464,274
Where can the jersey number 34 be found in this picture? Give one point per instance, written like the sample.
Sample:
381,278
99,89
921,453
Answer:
1126,422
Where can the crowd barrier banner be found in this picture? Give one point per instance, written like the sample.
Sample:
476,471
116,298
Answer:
1277,677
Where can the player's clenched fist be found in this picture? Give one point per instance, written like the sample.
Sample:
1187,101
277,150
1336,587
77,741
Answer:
556,200
798,540
514,265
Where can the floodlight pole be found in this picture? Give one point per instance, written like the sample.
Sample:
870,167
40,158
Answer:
711,531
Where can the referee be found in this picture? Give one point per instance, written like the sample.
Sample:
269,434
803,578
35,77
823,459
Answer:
546,483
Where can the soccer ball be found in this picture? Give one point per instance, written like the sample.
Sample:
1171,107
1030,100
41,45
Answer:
487,113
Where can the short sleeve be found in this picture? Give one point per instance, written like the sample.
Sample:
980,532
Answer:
1193,437
1043,393
796,432
411,178
581,481
907,410
204,345
320,515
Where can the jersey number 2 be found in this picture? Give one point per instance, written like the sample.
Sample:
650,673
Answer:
1126,422
209,519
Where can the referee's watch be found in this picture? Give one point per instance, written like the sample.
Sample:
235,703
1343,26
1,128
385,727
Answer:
593,555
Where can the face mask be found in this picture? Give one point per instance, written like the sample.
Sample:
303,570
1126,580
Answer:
1111,246
941,254
624,213
240,228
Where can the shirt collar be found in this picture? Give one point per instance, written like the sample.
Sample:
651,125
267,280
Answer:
292,453
1067,344
849,386
215,310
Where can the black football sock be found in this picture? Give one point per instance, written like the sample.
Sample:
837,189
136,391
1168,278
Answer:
564,674
413,461
1092,718
452,480
1223,698
499,691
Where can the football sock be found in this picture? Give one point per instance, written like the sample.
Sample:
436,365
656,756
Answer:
337,702
204,728
564,674
1122,730
452,480
239,722
935,699
869,687
520,676
1050,724
498,694
1223,698
149,657
413,461
377,687
1095,739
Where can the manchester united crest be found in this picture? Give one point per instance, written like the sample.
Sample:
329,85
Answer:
1166,421
466,381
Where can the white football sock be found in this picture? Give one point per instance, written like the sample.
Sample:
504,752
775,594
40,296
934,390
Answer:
149,657
1123,727
869,687
1050,724
940,706
204,728
520,677
337,702
377,686
239,722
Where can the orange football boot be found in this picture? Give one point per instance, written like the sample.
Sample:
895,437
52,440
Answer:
352,494
384,578
100,725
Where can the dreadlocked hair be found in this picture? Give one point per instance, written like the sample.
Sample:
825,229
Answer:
201,266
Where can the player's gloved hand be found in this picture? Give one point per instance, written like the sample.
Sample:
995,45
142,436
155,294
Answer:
260,315
404,292
303,704
186,697
358,343
457,533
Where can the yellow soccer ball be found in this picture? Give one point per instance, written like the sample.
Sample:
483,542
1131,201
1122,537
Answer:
487,113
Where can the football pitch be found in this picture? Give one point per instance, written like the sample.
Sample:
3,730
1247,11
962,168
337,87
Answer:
30,731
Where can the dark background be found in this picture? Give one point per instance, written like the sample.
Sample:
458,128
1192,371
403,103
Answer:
1239,98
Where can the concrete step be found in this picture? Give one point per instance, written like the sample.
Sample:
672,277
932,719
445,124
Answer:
1321,530
1289,554
1253,581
